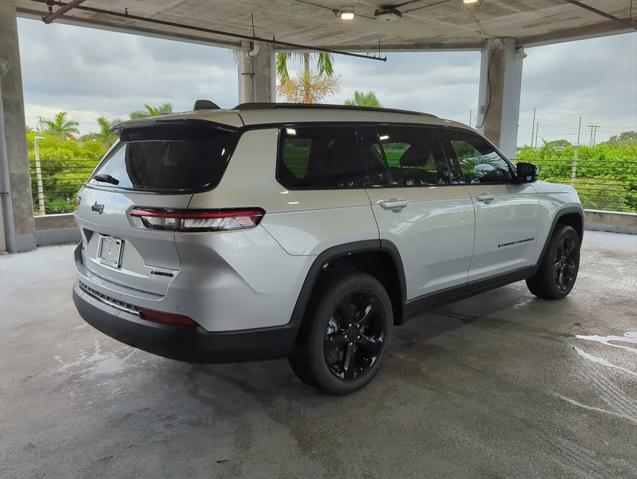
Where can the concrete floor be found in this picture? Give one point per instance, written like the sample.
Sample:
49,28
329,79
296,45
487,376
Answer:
500,385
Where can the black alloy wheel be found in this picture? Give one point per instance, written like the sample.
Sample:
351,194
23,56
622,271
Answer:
557,273
345,333
565,269
354,335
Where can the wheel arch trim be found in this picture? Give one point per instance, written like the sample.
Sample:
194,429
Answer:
340,251
567,210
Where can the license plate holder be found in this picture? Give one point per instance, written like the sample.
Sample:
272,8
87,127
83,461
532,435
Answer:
109,251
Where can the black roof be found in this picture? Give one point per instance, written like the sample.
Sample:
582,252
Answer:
321,106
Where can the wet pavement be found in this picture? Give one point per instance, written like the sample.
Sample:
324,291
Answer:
500,385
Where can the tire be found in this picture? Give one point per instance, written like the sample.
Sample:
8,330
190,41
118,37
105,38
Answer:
345,333
558,271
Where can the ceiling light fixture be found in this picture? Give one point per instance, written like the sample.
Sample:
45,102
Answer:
387,14
346,14
472,3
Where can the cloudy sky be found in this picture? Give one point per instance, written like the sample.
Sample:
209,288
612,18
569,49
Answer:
90,73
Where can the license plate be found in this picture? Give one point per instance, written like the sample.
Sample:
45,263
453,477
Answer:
109,251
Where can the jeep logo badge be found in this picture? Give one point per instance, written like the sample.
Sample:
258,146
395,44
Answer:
98,207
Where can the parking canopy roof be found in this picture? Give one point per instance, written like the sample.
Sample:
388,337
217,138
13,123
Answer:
377,25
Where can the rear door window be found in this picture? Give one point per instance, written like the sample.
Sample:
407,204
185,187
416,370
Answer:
413,156
176,157
320,157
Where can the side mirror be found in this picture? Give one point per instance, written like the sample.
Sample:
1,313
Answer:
526,172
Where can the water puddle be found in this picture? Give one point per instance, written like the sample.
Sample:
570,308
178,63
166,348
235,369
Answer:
596,409
95,363
630,337
602,361
607,392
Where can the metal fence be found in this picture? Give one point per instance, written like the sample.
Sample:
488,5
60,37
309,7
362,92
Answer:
55,182
602,184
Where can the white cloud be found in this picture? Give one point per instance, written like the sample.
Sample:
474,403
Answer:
89,73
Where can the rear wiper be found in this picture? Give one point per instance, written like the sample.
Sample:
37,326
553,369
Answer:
106,179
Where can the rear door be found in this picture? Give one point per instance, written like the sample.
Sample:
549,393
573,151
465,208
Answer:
417,208
507,213
156,166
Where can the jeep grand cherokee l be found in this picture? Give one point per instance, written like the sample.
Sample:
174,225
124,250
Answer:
307,232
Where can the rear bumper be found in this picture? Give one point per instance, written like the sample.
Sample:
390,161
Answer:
185,344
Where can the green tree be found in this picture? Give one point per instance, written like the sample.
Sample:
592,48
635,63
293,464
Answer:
150,110
557,144
623,136
104,134
362,98
65,165
60,126
311,84
604,175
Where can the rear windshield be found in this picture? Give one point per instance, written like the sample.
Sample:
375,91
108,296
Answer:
183,156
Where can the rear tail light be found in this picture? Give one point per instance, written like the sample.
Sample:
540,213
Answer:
199,220
166,318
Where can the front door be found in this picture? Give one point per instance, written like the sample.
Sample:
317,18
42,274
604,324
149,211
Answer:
506,213
430,221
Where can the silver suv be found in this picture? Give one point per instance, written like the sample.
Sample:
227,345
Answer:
307,232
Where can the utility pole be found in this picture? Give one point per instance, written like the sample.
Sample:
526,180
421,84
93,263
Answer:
593,135
470,117
537,129
575,153
533,128
38,174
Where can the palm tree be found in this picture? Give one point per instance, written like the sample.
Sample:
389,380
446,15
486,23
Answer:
150,110
104,134
362,98
105,129
310,86
60,126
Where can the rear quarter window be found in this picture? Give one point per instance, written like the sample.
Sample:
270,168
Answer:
176,157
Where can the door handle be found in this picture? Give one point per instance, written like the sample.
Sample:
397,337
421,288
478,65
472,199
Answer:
485,198
394,204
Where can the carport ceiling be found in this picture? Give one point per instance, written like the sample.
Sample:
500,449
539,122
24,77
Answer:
420,24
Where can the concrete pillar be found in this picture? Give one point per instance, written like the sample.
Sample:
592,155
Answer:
3,243
499,96
257,73
15,186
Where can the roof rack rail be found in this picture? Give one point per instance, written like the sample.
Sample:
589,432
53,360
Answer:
322,106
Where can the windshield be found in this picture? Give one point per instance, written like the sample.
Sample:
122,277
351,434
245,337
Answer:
186,155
